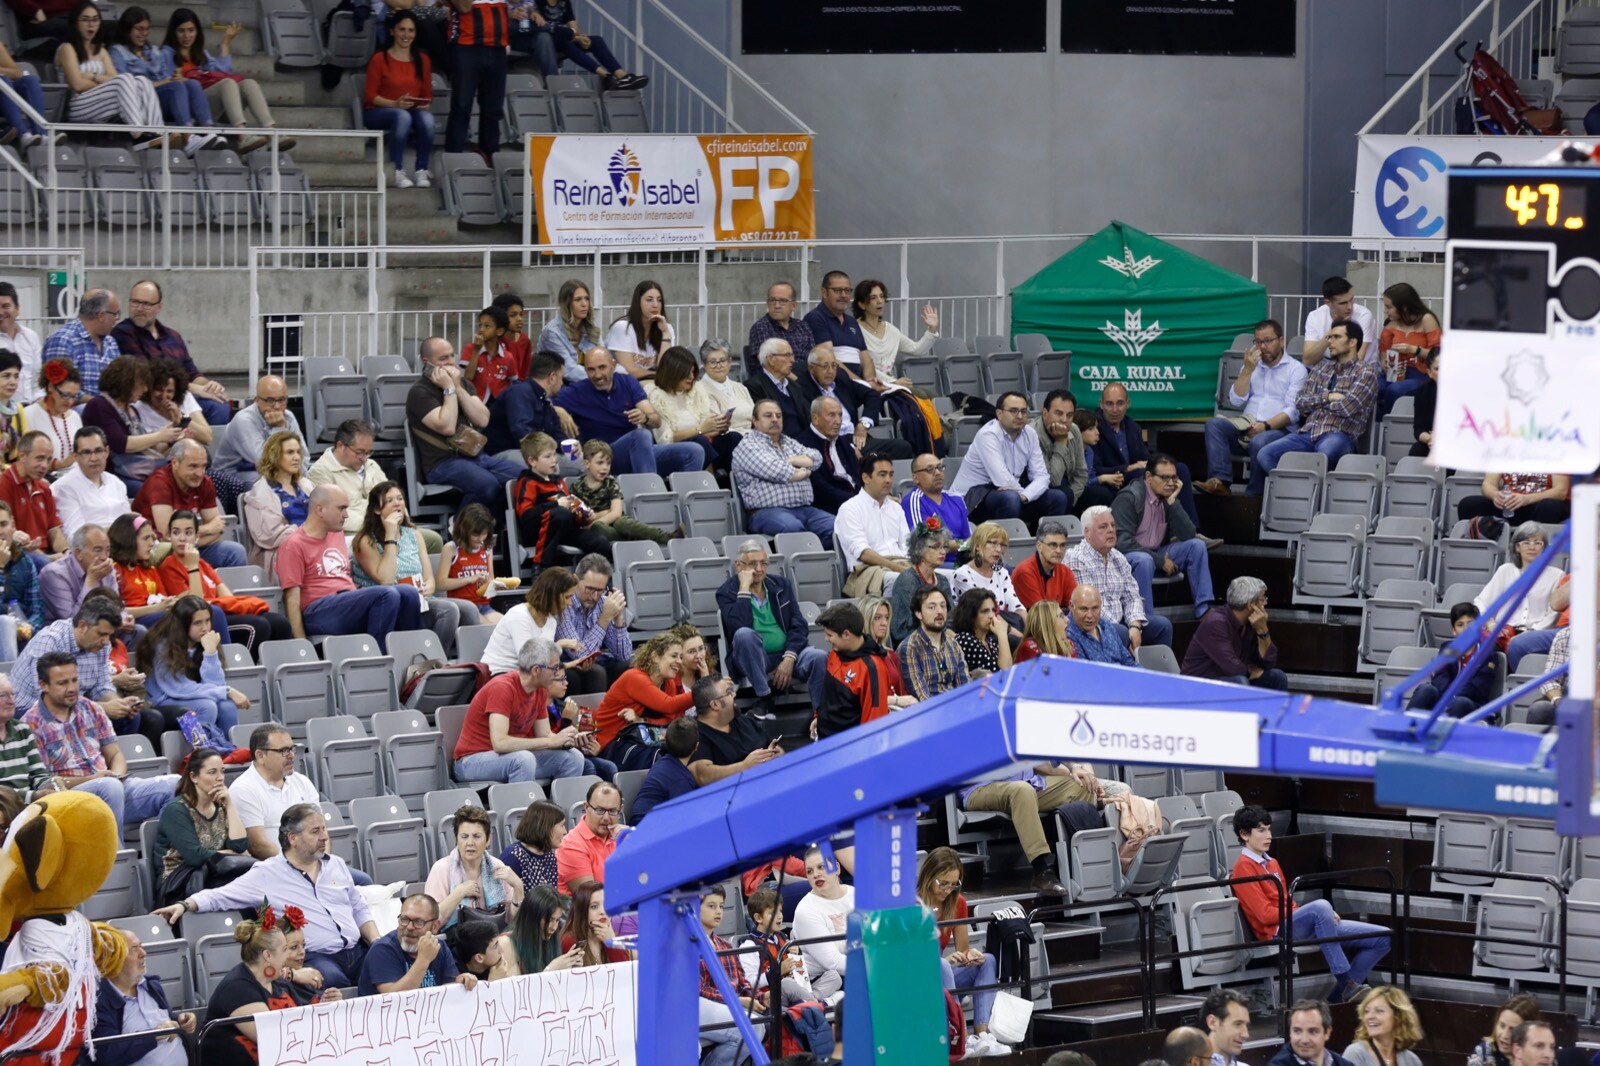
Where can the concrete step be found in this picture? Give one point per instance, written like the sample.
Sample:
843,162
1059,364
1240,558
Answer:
255,65
313,117
347,153
281,93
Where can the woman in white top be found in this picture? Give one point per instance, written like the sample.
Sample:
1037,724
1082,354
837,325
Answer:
572,330
56,414
536,616
716,359
1535,612
985,571
885,343
823,912
161,406
99,92
638,338
689,411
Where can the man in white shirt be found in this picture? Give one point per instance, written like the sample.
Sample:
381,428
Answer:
1338,305
871,530
1003,474
349,465
15,337
87,495
1266,388
1227,1019
270,787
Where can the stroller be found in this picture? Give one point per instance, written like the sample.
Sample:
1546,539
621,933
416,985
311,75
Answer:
1492,102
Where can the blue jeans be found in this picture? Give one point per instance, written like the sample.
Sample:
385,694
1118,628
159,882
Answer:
519,766
636,452
748,658
481,479
1334,445
1157,630
1273,678
133,799
727,1045
400,126
184,103
604,769
1425,697
222,553
1008,503
1530,642
958,977
541,45
29,89
1316,919
340,969
377,609
774,520
598,56
1193,562
1223,443
480,72
1390,391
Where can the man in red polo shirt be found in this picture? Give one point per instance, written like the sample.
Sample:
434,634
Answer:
507,736
32,504
183,485
1042,575
582,854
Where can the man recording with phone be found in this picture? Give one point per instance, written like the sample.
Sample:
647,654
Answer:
729,742
1266,389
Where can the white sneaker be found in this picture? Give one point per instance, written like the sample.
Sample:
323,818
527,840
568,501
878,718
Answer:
984,1045
424,180
401,181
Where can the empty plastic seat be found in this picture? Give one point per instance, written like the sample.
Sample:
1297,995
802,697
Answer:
508,801
1399,548
813,568
363,675
1293,494
121,895
393,840
510,175
1355,487
701,571
346,45
299,684
1466,561
346,759
1031,343
471,641
71,203
1228,369
649,581
389,380
1403,661
578,106
707,508
214,951
416,759
1413,490
1532,847
470,189
19,203
440,686
1392,618
119,181
963,372
1470,844
175,190
1205,918
647,498
1578,44
1328,565
1157,657
1397,431
283,194
1047,370
528,106
624,111
290,34
1520,916
142,757
1183,818
922,371
1005,372
229,188
243,674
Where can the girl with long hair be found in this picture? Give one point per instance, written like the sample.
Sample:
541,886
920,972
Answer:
183,672
201,838
397,99
638,339
572,330
961,965
466,562
588,927
100,92
389,550
981,632
133,542
1410,333
648,696
1044,632
185,51
183,572
533,943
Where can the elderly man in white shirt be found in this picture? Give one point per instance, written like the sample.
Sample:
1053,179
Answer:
1338,305
1003,474
871,530
1266,388
87,494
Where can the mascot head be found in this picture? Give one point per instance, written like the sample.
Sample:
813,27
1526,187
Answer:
35,874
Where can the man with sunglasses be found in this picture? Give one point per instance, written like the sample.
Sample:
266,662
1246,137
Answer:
87,343
1155,532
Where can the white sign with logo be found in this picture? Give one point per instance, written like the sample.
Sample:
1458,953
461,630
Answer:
1400,183
1102,732
1519,402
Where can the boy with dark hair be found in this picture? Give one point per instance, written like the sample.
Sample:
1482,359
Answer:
766,932
516,340
488,364
1478,689
601,493
856,690
669,776
1261,903
549,517
726,1044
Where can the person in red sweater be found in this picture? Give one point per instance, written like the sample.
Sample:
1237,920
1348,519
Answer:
638,706
857,688
397,97
1259,903
549,516
1042,575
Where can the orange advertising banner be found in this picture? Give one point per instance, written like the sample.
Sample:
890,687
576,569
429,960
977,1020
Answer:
597,189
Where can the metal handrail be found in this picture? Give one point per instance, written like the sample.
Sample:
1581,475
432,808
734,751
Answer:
1331,879
1499,34
1559,944
95,1041
1152,959
1422,72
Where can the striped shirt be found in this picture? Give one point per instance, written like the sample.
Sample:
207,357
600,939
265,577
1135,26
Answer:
21,767
487,24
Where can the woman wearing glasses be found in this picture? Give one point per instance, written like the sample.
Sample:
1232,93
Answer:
717,360
56,414
962,966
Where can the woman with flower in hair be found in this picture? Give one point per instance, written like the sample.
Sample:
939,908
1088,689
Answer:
201,838
927,548
56,414
305,982
257,985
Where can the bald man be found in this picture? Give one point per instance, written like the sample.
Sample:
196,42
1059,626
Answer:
1095,642
240,445
184,485
318,595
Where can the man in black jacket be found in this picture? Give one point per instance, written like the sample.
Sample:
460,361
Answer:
133,987
1122,447
777,383
839,477
767,634
862,407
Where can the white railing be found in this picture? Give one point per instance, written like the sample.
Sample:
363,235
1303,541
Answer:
1518,37
21,264
156,219
305,312
695,87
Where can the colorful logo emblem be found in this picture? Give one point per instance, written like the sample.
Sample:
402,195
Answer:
626,177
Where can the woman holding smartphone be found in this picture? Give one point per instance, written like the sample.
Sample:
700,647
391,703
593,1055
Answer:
689,410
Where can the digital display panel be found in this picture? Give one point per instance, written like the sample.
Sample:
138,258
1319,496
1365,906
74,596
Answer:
1528,206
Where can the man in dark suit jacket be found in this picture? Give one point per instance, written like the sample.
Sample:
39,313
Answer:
775,383
1122,447
862,405
839,477
111,1002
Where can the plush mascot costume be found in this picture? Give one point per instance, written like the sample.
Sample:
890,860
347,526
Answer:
58,852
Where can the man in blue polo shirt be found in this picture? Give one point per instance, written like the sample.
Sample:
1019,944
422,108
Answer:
831,320
611,407
412,956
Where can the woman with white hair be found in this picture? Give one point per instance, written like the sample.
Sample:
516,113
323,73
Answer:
1535,612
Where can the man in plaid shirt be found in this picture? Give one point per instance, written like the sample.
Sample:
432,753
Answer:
773,475
87,343
930,658
1095,561
1335,403
726,1044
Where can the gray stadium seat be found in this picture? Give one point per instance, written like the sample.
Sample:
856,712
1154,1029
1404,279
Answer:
143,758
422,498
346,46
299,684
528,105
1583,939
1219,807
72,204
292,201
1470,842
1355,487
1539,92
393,840
813,568
1399,548
508,800
1403,661
629,782
122,894
1413,490
416,758
177,193
987,344
1466,561
1520,915
1397,431
230,192
1576,97
625,111
1004,372
1031,343
471,642
213,950
1047,370
389,380
1392,618
347,760
1530,668
701,571
647,498
1532,847
470,189
1328,564
243,674
1293,495
119,181
1207,917
19,203
363,676
342,839
510,172
251,581
1151,782
922,371
706,507
649,581
1020,541
963,372
441,686
1183,818
568,793
290,34
1578,43
577,104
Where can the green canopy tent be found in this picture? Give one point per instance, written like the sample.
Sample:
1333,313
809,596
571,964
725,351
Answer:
1139,311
